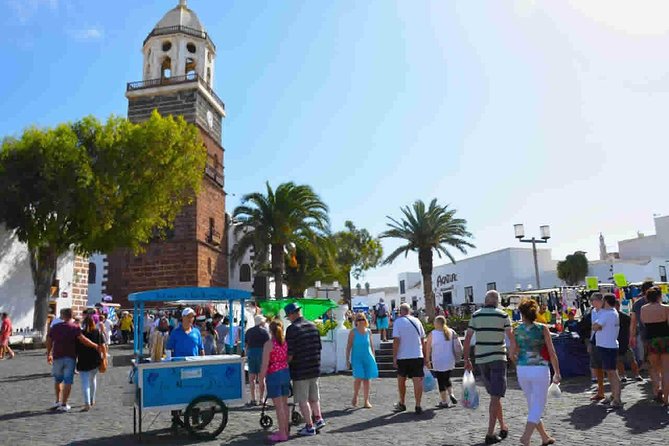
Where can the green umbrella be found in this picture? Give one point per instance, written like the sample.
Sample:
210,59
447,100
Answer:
312,309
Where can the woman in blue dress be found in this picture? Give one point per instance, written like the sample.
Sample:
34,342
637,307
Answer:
360,356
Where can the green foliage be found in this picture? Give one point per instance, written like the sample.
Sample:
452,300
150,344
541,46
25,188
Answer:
427,326
348,324
424,230
357,251
573,269
325,327
95,186
274,220
314,260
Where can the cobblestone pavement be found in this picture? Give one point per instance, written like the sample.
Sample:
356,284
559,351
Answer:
26,392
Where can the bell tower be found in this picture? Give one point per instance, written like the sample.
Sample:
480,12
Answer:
178,77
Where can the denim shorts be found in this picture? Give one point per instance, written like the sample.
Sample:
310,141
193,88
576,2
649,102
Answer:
494,377
254,360
608,357
278,384
63,370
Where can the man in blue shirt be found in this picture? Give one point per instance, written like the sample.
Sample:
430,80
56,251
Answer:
186,340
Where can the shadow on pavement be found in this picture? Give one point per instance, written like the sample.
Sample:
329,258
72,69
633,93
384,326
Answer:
644,416
588,416
25,414
13,379
383,420
159,437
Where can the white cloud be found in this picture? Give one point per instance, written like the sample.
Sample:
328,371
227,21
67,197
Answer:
88,34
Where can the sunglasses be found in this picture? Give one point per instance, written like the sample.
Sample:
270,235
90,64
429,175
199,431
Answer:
360,320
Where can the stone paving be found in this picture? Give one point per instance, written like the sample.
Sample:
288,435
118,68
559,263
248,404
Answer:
26,392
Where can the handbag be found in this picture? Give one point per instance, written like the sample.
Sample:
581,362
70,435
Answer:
103,363
457,346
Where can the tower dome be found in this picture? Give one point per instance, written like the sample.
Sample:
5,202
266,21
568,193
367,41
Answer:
181,15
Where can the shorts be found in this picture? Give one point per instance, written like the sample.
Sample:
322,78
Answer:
626,356
410,368
278,384
306,390
254,360
658,346
382,323
608,358
62,370
494,377
443,380
595,358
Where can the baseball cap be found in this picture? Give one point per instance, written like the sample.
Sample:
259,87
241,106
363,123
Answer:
259,319
292,308
187,311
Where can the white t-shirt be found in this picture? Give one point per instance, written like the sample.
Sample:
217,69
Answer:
607,337
410,332
443,350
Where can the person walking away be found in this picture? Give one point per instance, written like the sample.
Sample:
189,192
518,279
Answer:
5,334
490,325
61,354
209,339
158,339
638,339
625,354
304,358
274,370
534,350
105,328
255,339
382,322
126,326
586,332
360,358
221,327
655,317
88,361
408,357
443,349
606,325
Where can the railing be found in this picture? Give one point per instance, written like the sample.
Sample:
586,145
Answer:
214,237
174,80
180,29
213,173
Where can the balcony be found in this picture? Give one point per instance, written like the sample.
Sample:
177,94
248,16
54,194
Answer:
175,80
214,237
182,30
213,172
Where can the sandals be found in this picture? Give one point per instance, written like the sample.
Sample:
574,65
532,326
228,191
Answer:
399,407
550,441
503,433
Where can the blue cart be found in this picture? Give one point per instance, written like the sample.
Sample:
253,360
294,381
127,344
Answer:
197,389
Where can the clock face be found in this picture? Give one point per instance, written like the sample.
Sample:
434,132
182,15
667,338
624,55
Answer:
210,119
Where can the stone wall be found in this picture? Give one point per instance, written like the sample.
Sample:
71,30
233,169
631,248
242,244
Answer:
80,285
179,103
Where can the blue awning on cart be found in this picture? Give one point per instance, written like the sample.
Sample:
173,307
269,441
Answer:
190,294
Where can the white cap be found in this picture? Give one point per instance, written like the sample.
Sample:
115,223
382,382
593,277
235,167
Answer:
187,311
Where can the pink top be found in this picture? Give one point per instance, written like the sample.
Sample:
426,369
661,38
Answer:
278,357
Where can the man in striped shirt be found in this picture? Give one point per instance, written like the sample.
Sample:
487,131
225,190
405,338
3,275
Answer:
491,324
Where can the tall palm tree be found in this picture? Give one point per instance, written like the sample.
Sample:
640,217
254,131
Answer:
424,231
275,220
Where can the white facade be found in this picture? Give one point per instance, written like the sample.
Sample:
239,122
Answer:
17,292
241,273
97,278
647,246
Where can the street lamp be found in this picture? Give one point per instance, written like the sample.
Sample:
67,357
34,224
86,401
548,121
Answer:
317,285
545,231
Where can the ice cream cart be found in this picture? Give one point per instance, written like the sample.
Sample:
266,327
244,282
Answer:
197,389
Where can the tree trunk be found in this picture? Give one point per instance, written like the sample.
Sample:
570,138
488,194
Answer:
277,269
425,262
43,265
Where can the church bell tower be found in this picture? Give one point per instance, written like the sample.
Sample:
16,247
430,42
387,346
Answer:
178,78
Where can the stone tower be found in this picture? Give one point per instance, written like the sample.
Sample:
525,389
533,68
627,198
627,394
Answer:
178,76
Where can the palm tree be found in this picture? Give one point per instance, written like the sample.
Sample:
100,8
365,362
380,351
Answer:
311,261
424,231
277,219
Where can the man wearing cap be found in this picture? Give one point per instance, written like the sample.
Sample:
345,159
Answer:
186,340
255,339
304,358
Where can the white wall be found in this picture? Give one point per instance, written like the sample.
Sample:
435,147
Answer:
96,290
635,271
650,245
234,267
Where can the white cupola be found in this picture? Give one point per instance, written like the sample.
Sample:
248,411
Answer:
178,47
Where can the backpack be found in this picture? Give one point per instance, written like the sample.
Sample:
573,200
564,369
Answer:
381,311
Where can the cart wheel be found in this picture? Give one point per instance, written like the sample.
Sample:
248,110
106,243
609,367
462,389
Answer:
266,422
296,418
206,417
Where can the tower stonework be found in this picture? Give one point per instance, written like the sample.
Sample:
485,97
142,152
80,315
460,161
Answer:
179,59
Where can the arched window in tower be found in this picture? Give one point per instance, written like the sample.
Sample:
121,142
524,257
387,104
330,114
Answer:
92,272
245,273
166,68
209,75
167,45
190,46
190,68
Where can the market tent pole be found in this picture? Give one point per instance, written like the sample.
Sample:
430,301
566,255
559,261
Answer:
242,325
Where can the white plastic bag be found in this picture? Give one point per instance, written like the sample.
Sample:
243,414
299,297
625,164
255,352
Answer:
429,382
554,391
470,394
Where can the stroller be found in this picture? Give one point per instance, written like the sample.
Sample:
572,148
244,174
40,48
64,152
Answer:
266,421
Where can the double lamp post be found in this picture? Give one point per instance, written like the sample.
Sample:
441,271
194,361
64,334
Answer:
545,232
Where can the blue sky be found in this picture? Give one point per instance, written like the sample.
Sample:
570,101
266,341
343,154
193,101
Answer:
512,112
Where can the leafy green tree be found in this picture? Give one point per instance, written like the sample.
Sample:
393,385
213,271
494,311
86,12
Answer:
357,252
276,219
93,187
425,230
310,261
573,268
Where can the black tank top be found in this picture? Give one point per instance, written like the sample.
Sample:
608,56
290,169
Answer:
657,330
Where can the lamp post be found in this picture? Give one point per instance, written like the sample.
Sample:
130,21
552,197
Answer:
317,285
545,232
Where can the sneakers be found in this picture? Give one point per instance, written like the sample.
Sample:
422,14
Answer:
443,405
399,407
55,405
307,431
419,410
493,439
623,379
64,408
453,400
320,424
